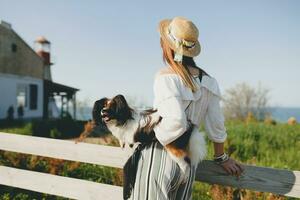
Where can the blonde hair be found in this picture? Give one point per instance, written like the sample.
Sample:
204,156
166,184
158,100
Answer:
179,68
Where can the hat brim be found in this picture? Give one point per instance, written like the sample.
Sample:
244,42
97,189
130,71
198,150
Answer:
163,29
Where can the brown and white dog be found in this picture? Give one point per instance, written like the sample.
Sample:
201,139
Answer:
131,127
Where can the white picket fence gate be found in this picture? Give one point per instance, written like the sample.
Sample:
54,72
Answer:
263,179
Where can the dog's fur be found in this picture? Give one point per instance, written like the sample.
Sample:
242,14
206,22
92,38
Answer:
88,128
132,127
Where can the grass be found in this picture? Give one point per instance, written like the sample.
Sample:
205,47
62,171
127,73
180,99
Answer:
24,129
265,145
259,144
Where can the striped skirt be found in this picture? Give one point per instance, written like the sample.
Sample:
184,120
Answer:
159,177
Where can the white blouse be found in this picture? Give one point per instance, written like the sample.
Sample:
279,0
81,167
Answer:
171,98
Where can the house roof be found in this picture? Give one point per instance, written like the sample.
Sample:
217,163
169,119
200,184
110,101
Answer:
52,87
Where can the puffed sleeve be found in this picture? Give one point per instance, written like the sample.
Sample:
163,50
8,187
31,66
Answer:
214,119
169,106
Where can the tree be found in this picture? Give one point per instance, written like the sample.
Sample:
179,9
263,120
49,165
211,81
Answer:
242,99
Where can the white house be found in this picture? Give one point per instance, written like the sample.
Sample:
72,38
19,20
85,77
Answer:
25,78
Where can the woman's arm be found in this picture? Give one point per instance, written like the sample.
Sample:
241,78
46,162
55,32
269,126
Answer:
215,128
169,105
219,149
230,166
214,123
173,123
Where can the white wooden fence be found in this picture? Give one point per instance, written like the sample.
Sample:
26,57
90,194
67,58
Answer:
255,178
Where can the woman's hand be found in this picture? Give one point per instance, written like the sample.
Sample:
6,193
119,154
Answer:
232,167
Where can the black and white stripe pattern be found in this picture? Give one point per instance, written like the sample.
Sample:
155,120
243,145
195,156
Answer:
159,177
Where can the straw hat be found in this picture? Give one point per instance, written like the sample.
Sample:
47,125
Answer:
181,35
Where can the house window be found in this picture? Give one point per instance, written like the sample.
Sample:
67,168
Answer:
14,48
33,96
22,95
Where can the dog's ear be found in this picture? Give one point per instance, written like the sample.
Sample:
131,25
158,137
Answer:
120,103
98,106
123,109
120,99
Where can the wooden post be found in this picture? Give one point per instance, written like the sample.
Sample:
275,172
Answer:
74,106
67,104
62,106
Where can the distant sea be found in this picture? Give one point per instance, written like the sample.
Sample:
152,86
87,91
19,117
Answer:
280,114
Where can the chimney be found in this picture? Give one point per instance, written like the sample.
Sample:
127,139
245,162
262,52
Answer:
42,48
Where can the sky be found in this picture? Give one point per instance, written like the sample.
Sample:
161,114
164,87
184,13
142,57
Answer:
106,48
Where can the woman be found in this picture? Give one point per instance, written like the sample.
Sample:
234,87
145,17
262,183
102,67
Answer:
180,96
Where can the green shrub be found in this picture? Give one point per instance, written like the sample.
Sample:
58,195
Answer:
54,128
54,133
60,128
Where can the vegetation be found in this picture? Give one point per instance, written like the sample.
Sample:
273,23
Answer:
257,143
260,144
243,99
55,128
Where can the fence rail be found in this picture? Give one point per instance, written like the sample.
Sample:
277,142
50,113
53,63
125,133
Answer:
58,185
263,179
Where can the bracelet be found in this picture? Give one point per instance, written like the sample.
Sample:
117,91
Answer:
220,156
221,159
